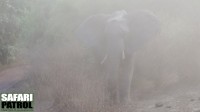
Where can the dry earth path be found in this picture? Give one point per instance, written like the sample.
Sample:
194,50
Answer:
12,75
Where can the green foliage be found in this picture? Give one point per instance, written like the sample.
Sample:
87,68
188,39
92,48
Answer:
10,13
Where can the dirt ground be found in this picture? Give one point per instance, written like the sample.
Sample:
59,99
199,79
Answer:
178,99
12,74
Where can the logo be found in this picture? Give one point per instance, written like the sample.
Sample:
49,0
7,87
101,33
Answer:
17,102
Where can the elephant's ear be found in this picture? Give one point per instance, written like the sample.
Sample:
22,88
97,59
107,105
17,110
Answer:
91,31
144,26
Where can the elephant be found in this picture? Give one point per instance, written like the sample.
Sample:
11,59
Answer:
114,39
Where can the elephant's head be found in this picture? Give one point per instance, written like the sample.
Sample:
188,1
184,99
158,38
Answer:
116,30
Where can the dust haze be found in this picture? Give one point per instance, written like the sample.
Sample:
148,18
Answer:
64,74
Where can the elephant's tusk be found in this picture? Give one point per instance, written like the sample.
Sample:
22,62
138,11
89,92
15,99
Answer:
123,55
104,59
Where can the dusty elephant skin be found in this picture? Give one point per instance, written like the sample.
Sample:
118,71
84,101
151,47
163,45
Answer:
113,39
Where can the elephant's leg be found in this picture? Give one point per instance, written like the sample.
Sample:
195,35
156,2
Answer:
112,69
125,78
